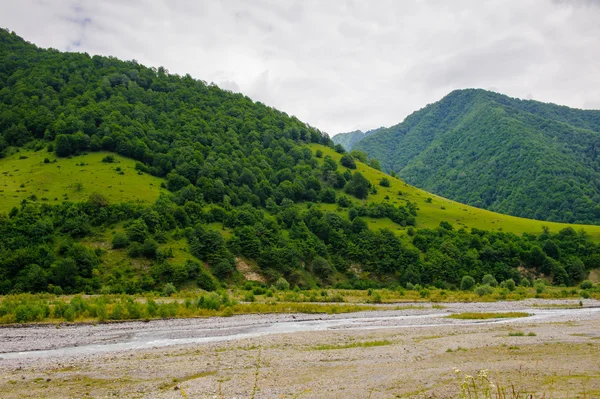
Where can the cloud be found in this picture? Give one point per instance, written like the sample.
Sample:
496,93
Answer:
339,65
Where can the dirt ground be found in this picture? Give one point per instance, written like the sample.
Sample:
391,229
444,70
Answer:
559,359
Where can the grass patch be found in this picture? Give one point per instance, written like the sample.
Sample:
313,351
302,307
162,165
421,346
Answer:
521,334
367,344
486,316
73,179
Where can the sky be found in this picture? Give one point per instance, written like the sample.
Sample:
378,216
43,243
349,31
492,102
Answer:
339,65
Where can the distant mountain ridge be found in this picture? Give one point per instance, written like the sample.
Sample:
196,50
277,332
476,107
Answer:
519,157
348,140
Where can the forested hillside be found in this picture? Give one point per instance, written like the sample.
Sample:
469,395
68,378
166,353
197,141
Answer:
348,140
522,158
240,183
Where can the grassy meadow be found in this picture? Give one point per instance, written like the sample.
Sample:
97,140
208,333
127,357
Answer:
431,212
25,174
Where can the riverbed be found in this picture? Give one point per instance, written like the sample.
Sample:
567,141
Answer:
410,352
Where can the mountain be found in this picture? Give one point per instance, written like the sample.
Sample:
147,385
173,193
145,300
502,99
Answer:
348,140
519,157
119,178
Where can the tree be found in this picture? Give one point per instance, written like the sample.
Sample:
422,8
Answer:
376,165
358,186
348,161
98,200
384,182
490,280
467,283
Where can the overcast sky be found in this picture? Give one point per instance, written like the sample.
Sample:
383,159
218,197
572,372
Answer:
340,65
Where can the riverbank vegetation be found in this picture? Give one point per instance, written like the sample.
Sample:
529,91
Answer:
253,298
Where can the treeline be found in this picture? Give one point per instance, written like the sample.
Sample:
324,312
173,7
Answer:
564,257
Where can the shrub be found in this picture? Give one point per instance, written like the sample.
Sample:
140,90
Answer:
586,285
539,287
484,290
348,161
344,201
321,267
510,284
169,289
525,282
584,294
205,281
385,182
281,284
135,250
149,248
108,159
490,280
467,283
119,240
375,298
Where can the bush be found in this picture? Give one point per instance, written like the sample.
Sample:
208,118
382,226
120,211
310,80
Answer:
490,280
108,159
169,289
484,290
586,285
539,287
321,267
525,282
281,284
584,294
510,284
344,201
205,281
348,161
467,283
119,240
149,248
375,298
385,182
135,250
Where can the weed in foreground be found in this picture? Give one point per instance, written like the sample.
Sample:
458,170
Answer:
481,386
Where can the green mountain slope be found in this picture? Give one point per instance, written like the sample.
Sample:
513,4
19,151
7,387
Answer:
523,158
215,180
348,140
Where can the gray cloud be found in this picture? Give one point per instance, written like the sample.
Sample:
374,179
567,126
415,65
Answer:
339,65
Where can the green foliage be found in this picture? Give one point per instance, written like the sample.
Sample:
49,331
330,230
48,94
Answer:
169,289
586,285
243,183
484,290
510,284
358,186
347,160
467,283
282,285
384,182
523,158
490,280
119,240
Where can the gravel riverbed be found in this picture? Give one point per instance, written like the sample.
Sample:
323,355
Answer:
384,353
